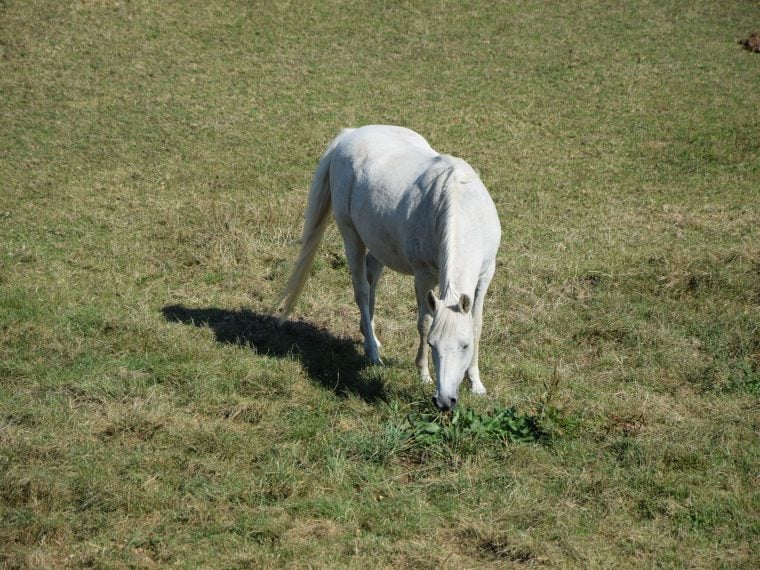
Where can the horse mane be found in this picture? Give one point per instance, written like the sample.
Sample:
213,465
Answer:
450,181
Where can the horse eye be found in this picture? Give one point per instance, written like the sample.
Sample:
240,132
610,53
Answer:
465,347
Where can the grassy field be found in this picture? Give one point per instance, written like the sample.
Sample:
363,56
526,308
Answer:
154,161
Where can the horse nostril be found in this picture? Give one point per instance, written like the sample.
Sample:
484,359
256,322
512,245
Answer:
453,403
443,406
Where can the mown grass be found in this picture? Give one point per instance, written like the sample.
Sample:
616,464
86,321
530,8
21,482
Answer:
154,159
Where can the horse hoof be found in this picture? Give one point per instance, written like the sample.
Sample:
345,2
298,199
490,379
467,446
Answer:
479,390
426,379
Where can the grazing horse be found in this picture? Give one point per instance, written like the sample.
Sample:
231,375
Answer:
399,203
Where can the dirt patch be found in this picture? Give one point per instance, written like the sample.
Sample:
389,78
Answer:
752,43
308,530
500,549
494,547
625,425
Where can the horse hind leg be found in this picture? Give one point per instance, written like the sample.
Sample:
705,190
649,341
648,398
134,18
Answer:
374,272
356,254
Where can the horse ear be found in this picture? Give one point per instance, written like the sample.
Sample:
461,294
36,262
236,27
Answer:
432,300
465,303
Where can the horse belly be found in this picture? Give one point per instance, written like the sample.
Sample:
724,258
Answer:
385,246
392,260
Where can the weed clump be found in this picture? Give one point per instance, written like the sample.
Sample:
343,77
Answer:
467,430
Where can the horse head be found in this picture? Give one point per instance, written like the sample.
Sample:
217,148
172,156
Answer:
451,340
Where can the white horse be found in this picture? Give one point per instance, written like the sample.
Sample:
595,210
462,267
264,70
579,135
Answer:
399,203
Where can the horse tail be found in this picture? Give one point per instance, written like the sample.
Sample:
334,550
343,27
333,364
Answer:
316,218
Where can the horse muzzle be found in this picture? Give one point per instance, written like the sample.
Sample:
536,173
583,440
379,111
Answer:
444,403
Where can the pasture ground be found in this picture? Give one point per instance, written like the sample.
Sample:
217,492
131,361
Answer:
154,161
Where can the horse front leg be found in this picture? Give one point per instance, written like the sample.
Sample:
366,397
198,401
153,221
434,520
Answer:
473,371
422,285
356,254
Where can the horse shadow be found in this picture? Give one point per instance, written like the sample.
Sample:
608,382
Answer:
331,361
